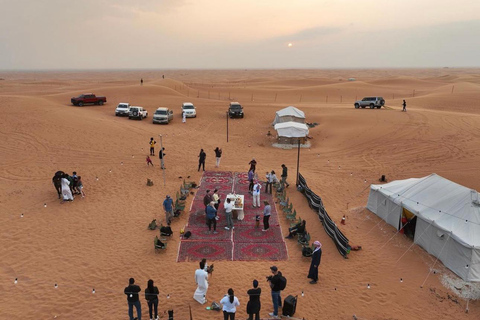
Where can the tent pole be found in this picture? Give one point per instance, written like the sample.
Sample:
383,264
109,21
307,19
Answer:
298,161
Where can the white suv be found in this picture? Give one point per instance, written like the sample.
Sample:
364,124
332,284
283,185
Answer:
189,109
123,109
372,102
137,113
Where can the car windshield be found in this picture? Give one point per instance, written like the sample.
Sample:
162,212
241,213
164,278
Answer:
236,107
161,112
133,109
188,107
122,106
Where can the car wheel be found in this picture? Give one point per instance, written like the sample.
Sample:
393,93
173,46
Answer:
372,106
80,104
357,106
100,103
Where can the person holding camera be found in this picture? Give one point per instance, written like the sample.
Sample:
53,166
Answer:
277,284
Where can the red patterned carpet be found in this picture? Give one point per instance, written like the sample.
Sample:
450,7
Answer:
245,242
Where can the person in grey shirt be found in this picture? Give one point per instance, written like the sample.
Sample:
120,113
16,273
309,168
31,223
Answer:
267,211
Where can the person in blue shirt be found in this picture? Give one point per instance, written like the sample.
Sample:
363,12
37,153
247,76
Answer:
168,207
211,214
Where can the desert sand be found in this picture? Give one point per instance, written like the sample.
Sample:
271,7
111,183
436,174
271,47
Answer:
99,242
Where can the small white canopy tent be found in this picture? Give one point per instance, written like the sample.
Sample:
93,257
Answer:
289,114
291,129
448,218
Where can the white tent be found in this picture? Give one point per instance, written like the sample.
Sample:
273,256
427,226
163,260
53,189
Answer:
291,129
448,218
289,114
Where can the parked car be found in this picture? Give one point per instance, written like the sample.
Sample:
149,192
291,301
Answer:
88,98
123,109
189,109
235,110
372,102
163,115
137,113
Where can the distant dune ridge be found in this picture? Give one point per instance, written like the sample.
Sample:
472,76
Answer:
99,242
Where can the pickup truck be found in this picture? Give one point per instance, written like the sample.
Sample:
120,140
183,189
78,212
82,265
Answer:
88,98
137,113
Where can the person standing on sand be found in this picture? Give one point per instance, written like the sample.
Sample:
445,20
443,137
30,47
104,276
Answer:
141,81
161,155
184,117
201,279
152,146
80,187
316,257
218,156
66,192
201,159
275,284
284,176
168,207
151,295
253,165
404,104
253,305
267,211
230,304
132,297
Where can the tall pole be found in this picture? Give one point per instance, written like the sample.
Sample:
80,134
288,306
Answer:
298,161
227,126
161,160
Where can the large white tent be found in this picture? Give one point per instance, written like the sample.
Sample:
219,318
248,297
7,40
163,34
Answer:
291,129
289,114
448,218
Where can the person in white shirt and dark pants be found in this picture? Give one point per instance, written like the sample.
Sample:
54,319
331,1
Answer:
230,304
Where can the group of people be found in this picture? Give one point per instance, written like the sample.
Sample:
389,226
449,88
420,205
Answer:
68,185
133,299
202,156
161,154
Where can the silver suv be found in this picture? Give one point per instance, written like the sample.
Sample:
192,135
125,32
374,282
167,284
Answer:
372,102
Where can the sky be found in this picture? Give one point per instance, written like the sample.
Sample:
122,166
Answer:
238,34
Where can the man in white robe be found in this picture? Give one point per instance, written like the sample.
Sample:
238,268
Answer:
201,278
66,192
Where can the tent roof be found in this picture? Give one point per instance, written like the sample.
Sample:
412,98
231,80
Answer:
450,206
291,111
291,129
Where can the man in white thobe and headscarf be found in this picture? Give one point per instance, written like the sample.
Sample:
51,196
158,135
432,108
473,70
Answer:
201,278
66,192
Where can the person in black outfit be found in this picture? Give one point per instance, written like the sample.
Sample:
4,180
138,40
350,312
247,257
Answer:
284,176
253,165
299,228
253,305
161,155
404,104
132,297
201,159
151,295
275,280
316,257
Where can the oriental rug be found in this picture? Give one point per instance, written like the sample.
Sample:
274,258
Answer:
246,242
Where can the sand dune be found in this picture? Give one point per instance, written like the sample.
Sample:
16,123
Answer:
102,240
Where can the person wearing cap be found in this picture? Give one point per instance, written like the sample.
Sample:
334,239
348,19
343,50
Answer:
133,301
256,194
168,207
275,280
316,257
253,305
211,214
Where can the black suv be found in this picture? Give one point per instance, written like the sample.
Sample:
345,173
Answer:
235,110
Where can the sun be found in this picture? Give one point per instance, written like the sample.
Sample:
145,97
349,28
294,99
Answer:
290,45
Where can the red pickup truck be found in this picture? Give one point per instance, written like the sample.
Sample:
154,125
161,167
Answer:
88,98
